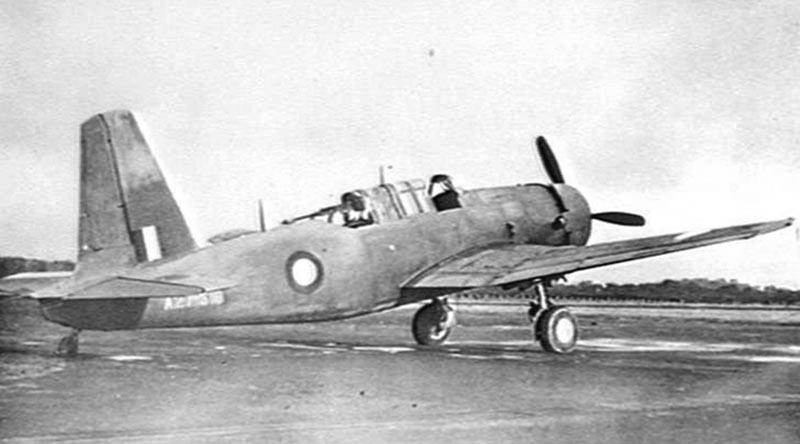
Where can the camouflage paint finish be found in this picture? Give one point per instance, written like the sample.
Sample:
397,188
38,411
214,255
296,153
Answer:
313,271
359,270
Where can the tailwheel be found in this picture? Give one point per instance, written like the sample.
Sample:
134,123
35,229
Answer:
557,329
433,323
68,346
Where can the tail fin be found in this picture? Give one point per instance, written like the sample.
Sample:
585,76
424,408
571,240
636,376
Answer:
127,213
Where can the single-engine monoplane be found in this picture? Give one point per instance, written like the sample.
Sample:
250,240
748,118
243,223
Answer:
376,248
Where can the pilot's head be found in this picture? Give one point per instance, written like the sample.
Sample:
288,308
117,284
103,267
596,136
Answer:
353,201
440,183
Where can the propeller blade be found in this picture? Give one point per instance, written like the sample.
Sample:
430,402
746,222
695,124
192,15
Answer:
620,218
549,160
554,172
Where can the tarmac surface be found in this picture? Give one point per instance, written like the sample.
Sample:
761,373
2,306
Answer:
639,375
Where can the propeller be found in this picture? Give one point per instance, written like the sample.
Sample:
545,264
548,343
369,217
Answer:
554,173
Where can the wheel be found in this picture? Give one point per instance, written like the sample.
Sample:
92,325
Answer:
68,346
557,329
433,323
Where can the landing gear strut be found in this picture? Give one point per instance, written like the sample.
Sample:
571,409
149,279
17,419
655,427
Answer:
433,323
68,346
554,326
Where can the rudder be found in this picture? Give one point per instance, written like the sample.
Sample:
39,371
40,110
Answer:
127,212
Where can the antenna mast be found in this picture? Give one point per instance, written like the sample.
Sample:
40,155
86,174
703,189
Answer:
261,223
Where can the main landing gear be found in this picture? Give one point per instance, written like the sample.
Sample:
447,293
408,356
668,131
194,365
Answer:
68,346
553,325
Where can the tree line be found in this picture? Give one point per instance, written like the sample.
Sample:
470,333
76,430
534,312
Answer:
704,291
14,265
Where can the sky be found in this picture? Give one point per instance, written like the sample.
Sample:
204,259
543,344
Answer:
684,112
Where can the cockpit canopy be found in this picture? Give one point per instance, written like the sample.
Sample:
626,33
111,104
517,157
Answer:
387,202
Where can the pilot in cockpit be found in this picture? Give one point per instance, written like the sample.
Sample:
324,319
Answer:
444,194
356,211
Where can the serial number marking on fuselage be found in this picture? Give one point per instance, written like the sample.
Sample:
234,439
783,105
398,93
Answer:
195,300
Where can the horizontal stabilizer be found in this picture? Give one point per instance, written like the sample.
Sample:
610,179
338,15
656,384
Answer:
125,288
27,283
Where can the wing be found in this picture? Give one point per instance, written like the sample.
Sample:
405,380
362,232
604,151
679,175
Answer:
510,263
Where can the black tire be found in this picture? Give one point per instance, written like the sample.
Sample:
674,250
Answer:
557,330
427,323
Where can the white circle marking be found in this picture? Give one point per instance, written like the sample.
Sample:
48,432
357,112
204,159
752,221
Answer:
304,271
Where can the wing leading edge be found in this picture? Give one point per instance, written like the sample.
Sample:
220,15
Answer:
510,263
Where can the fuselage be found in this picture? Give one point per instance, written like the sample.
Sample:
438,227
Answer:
317,271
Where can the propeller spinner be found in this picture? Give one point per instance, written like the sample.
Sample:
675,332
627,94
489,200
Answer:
554,173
